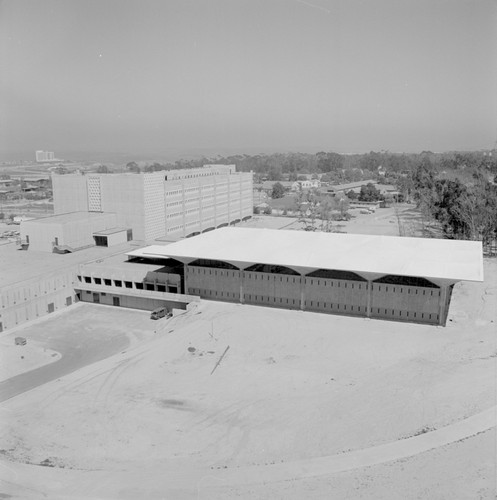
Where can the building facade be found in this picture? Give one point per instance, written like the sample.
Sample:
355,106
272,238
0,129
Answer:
44,156
169,204
400,279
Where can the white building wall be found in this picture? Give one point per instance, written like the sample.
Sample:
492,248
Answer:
154,205
70,193
123,195
36,297
41,235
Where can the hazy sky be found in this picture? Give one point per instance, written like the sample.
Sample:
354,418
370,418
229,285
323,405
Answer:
147,76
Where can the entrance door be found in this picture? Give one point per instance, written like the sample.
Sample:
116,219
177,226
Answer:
116,301
96,298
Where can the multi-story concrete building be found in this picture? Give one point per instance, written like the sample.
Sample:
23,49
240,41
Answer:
169,204
45,156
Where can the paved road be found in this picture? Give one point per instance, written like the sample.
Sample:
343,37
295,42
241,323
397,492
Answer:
79,347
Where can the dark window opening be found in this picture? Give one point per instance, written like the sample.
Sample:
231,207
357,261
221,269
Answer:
98,281
107,282
139,286
128,284
217,264
118,283
336,275
87,279
392,279
100,241
268,268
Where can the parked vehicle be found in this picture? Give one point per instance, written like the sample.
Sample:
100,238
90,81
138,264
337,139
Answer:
20,341
159,313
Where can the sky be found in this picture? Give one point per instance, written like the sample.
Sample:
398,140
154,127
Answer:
147,76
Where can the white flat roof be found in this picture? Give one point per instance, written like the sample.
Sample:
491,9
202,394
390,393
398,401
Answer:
429,258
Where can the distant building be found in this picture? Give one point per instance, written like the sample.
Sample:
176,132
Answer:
169,204
45,156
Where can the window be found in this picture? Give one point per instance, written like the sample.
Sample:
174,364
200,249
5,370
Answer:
139,286
128,284
87,279
98,281
107,282
118,283
100,241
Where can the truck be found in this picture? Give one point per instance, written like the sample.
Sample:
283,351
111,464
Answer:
160,312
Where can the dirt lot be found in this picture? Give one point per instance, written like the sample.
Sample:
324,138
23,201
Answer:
401,220
295,393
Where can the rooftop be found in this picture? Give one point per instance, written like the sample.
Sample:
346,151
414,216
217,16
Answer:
112,230
20,265
72,217
352,185
429,258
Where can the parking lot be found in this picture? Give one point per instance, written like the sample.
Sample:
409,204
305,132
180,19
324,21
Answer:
83,334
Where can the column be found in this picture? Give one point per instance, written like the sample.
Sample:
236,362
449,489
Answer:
302,293
242,276
442,306
185,274
368,306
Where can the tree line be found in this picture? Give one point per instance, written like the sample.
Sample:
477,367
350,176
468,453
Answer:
464,210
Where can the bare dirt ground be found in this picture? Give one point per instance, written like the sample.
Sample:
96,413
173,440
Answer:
400,220
294,391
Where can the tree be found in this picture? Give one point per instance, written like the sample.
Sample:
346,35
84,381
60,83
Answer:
103,169
352,195
132,166
329,162
278,190
268,211
369,193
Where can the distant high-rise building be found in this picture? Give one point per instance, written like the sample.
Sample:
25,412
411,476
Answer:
168,203
45,156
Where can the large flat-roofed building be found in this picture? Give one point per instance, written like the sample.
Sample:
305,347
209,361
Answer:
386,277
72,231
169,204
36,283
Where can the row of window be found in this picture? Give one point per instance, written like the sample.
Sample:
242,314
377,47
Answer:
394,289
213,293
153,287
393,313
110,282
